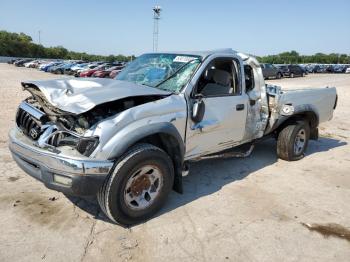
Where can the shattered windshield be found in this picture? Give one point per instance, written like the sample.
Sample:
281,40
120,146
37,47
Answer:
164,71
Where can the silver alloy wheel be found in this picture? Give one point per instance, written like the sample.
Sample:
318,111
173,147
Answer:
299,142
143,187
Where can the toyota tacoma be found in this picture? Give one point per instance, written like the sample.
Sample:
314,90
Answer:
130,140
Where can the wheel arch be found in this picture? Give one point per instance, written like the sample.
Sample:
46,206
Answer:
302,112
163,135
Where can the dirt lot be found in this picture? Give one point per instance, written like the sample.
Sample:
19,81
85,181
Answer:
251,209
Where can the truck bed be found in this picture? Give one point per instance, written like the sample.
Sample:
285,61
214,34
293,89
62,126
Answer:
321,100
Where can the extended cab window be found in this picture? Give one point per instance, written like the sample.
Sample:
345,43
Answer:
249,78
220,78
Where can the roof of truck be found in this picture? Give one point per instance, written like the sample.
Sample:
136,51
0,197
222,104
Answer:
203,53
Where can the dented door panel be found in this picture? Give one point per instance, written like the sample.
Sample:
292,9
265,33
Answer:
222,126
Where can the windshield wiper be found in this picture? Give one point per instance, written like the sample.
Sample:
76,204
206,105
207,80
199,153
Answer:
173,74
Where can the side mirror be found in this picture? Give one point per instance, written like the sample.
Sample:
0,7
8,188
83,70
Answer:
198,110
253,95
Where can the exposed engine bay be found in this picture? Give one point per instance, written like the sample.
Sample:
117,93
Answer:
53,127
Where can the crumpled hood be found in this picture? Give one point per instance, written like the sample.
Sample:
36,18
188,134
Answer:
80,95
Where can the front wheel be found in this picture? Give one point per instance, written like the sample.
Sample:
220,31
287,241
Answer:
292,141
138,186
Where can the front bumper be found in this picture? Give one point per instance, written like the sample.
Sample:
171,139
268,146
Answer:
84,175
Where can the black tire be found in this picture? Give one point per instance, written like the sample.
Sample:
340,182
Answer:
111,196
286,139
302,74
279,76
292,75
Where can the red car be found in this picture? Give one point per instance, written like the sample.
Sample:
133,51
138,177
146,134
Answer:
113,73
88,73
105,72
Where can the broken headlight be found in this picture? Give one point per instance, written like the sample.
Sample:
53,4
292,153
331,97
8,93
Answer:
87,145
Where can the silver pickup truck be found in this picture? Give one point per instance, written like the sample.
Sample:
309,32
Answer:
130,140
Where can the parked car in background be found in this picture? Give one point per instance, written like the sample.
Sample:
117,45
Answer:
12,61
107,72
270,71
319,69
284,69
330,68
303,67
347,71
52,69
339,69
116,71
88,73
46,67
293,71
33,64
60,69
309,68
72,70
21,62
68,69
77,71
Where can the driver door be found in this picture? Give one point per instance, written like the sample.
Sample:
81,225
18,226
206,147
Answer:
225,113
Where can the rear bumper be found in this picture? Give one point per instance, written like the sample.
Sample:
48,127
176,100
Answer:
81,176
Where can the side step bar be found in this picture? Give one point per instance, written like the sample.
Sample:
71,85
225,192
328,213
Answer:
186,169
230,154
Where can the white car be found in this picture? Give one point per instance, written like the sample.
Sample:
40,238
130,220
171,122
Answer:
30,64
347,71
33,64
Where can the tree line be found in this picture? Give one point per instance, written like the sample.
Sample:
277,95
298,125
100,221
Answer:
21,45
294,57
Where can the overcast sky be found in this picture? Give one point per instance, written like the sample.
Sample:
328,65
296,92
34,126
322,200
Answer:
126,27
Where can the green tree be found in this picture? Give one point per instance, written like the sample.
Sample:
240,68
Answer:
21,45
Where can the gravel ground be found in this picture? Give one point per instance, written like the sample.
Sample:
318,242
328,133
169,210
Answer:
253,209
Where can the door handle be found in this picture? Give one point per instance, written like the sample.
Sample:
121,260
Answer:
240,107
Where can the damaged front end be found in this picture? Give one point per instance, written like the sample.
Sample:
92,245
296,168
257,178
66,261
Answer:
55,139
52,128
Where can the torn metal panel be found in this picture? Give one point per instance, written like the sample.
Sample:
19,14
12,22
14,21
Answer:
258,109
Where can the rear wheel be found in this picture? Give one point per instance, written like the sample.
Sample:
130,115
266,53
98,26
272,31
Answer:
138,186
292,141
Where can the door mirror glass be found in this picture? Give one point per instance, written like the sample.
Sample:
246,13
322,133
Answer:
198,110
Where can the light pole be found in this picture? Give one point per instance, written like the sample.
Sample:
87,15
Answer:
39,37
156,17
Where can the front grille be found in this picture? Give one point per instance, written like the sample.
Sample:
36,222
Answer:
28,124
